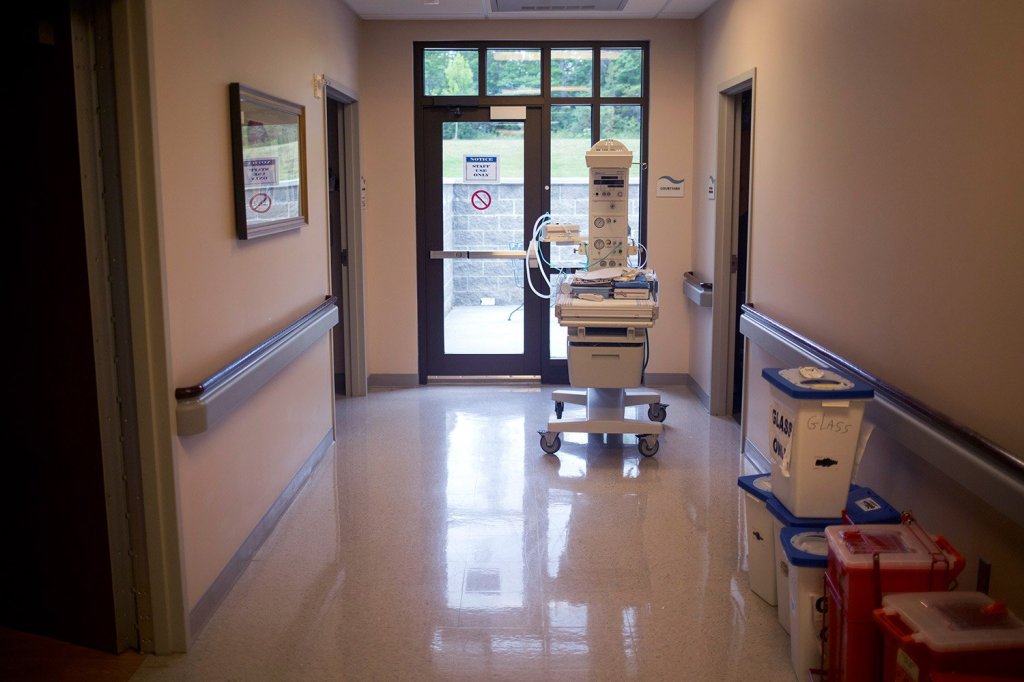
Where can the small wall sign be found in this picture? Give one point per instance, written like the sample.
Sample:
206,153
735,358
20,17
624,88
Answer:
668,186
481,169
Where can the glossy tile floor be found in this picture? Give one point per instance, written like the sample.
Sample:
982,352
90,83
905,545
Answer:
440,543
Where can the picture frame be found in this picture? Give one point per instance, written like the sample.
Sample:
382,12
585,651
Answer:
268,150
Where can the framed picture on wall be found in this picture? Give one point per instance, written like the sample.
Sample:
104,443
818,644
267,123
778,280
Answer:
268,149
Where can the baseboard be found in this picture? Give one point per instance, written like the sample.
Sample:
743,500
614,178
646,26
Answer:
666,379
703,397
755,457
393,380
207,605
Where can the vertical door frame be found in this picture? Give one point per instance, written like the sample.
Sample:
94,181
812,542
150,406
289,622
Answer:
352,296
98,145
726,214
144,262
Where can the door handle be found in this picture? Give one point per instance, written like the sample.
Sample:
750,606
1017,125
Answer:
493,255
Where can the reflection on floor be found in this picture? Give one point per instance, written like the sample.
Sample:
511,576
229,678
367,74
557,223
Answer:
439,543
493,329
27,657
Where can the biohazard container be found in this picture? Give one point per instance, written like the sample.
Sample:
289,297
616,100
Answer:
949,632
814,426
807,556
761,542
864,564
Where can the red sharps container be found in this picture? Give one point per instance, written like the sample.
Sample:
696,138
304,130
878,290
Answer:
928,634
865,563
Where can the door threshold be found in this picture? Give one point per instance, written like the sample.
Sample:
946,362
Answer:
484,379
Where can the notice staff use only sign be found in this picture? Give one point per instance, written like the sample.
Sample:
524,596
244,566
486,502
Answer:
481,169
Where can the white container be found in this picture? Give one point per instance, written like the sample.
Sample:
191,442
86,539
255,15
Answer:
609,360
757,489
806,554
814,426
783,521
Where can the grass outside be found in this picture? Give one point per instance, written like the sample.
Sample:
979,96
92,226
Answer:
567,156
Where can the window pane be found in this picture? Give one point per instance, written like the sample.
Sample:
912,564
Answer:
570,140
572,73
513,72
623,122
451,73
621,72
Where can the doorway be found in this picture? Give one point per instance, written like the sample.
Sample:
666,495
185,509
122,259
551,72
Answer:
733,221
741,227
345,204
480,190
77,553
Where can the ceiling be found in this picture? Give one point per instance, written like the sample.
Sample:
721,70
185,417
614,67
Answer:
483,9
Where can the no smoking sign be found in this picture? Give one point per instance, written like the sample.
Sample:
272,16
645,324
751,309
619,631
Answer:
481,200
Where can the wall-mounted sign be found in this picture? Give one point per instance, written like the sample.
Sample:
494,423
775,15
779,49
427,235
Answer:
260,172
668,186
481,169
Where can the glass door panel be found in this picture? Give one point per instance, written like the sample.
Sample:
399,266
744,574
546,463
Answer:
482,203
479,195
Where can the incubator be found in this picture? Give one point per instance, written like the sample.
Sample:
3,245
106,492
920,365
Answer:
607,306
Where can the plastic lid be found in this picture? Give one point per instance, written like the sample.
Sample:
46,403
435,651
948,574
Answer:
957,621
813,383
758,485
805,548
897,546
779,511
865,506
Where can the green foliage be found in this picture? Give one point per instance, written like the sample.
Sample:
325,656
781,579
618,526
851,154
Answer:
621,72
449,73
513,72
572,73
620,121
570,121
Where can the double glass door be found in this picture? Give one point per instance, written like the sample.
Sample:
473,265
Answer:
482,187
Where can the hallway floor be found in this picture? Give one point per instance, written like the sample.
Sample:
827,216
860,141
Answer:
440,543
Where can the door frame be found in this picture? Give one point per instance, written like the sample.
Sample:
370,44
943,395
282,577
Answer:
723,324
352,295
136,131
534,318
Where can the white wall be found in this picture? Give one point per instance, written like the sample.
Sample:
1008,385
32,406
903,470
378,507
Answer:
887,208
224,296
887,221
389,167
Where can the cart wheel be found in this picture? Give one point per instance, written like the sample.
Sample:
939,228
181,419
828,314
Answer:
656,412
548,444
559,407
648,446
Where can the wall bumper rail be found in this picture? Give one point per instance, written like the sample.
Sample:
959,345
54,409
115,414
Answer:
202,405
990,471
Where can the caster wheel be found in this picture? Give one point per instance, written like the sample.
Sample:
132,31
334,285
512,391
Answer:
648,446
656,412
550,446
559,407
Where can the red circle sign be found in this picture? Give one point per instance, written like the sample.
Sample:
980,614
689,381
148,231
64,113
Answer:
260,202
481,199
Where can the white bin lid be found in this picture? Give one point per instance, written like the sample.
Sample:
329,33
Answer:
956,621
814,383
